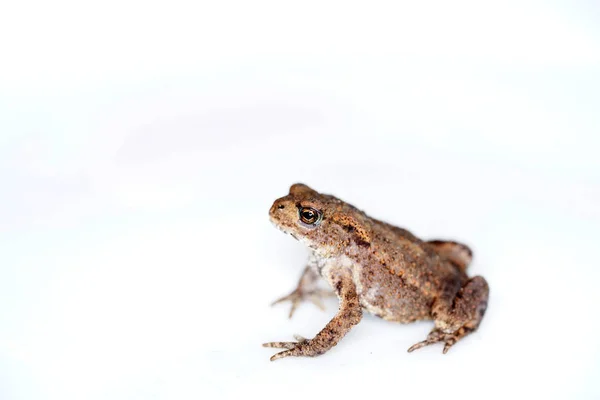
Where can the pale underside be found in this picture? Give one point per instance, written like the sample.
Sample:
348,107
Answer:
396,305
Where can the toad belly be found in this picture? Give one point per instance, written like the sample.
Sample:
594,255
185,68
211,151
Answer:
380,293
386,296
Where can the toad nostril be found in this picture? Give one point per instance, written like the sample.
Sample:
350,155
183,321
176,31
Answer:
281,206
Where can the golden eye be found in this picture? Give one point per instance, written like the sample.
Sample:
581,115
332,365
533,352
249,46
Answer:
309,215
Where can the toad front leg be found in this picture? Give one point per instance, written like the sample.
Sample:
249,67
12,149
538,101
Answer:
349,314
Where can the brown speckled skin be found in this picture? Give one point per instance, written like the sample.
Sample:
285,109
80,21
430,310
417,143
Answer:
379,268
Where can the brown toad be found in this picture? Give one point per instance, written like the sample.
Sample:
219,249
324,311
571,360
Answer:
376,267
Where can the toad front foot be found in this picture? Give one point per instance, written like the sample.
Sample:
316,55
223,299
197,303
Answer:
298,296
301,348
348,315
307,290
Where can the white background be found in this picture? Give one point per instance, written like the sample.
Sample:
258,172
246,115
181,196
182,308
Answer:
142,144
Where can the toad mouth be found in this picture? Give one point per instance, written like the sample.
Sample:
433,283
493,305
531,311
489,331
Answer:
283,230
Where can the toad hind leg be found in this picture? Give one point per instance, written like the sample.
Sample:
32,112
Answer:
349,314
462,317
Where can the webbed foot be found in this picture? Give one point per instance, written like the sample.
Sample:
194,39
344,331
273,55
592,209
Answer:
462,318
436,336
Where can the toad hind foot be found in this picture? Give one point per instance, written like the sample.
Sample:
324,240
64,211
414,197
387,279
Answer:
436,336
462,316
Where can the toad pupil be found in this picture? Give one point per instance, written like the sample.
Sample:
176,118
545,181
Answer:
309,215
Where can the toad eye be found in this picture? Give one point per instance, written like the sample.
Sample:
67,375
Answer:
309,215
